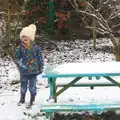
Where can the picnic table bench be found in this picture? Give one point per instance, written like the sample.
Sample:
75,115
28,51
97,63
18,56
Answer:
77,72
52,108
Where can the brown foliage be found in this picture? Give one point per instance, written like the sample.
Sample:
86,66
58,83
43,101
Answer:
15,5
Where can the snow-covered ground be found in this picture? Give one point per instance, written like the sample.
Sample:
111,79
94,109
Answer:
74,51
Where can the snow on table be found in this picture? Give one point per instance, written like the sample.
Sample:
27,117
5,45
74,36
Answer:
83,68
69,70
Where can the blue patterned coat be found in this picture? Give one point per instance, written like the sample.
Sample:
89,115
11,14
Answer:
30,60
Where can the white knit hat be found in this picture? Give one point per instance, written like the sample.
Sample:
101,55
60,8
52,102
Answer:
29,32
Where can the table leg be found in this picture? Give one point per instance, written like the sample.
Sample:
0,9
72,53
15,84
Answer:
53,89
68,85
112,80
48,115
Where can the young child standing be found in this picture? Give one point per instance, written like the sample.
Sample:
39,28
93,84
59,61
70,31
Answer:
29,58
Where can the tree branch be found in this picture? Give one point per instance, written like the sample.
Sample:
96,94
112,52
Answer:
102,22
114,26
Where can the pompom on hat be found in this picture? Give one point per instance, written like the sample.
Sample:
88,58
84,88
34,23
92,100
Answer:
29,32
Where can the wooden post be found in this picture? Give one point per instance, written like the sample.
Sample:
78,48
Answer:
8,25
94,34
117,51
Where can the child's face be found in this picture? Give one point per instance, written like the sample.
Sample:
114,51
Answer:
25,39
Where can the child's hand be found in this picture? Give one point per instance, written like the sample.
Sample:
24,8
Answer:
24,66
21,64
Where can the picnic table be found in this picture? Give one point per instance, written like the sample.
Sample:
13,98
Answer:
98,74
77,72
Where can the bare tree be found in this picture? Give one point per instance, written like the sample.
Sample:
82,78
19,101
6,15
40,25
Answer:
103,14
11,12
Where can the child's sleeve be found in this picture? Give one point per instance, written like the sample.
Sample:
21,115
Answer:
17,54
40,60
18,58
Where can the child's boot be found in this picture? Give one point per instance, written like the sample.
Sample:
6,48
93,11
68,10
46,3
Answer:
22,100
32,99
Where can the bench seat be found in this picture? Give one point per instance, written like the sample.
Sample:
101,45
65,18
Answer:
52,108
56,107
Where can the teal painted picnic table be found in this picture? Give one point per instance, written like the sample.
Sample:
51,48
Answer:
79,71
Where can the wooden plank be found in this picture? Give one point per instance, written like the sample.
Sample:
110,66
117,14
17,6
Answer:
78,107
79,75
88,85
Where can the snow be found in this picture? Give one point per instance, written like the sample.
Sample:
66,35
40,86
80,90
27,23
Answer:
85,68
77,51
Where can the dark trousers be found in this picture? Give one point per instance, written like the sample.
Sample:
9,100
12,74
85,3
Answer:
24,80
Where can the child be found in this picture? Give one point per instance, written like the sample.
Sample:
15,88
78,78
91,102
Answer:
30,62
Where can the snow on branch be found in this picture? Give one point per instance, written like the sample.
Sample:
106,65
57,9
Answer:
25,3
106,2
3,13
14,14
102,26
98,30
114,14
114,26
90,14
